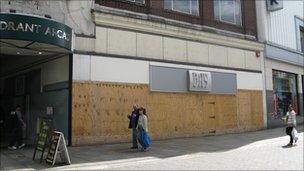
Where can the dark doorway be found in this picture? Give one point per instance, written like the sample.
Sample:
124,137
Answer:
37,83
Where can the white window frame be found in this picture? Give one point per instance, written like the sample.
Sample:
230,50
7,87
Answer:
197,2
298,23
220,14
301,44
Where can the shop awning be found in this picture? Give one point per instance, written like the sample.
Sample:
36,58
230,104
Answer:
32,35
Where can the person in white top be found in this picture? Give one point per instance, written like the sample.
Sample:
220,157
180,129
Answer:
291,125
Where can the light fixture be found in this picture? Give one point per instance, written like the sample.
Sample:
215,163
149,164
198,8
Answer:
48,16
39,53
18,53
12,11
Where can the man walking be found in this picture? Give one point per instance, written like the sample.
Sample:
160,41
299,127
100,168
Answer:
17,125
133,117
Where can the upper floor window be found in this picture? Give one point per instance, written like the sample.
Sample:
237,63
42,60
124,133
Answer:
137,1
302,38
184,6
299,34
228,11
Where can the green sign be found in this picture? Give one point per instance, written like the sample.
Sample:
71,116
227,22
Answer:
43,136
37,29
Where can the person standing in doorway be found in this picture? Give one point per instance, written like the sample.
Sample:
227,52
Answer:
16,129
133,117
291,124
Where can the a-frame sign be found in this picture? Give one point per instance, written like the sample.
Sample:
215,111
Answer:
46,126
58,146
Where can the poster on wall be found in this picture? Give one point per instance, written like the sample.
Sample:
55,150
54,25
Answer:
274,5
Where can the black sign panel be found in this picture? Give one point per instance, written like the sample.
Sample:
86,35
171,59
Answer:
50,158
57,147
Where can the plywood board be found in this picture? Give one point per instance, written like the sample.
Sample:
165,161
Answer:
100,112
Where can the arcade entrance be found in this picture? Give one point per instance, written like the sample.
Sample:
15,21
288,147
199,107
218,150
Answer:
35,74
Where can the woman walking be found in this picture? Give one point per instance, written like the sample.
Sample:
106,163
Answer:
291,125
142,128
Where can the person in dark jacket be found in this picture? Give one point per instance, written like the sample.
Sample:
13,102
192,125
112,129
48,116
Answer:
17,125
133,117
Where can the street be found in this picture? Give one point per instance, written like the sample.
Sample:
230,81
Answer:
251,151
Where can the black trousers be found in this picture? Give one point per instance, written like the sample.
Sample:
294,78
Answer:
288,132
16,137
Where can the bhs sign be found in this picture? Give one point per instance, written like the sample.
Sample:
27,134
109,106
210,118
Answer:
199,81
274,5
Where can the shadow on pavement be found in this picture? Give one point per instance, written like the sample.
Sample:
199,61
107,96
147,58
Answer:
159,149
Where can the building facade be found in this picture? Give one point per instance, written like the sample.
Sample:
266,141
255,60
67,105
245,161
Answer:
280,27
197,67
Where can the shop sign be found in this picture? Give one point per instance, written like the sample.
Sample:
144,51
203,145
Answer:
24,27
274,5
58,147
199,81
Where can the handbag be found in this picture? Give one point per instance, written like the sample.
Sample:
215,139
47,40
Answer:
146,140
294,134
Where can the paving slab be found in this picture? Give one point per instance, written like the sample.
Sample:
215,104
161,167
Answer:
251,150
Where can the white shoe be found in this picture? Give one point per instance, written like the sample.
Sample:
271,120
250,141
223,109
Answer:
22,145
12,148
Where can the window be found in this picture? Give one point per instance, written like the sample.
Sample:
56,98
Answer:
228,11
285,92
137,1
299,34
302,38
184,6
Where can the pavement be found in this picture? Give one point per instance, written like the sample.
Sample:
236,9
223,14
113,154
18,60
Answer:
261,150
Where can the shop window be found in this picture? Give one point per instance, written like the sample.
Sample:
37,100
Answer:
183,6
137,1
285,92
228,11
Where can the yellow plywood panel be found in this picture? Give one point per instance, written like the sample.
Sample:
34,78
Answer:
100,112
250,110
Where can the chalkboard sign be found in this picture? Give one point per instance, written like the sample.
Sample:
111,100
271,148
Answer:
43,136
57,146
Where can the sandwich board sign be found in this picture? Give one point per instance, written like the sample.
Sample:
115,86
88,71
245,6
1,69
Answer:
43,136
58,147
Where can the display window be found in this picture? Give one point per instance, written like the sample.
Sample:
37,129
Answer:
284,92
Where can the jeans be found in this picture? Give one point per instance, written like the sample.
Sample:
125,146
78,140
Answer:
134,137
16,137
139,135
288,132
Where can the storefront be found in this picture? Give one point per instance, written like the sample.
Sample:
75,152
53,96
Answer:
35,72
284,84
191,82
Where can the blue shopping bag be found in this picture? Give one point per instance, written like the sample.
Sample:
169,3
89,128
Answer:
146,140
